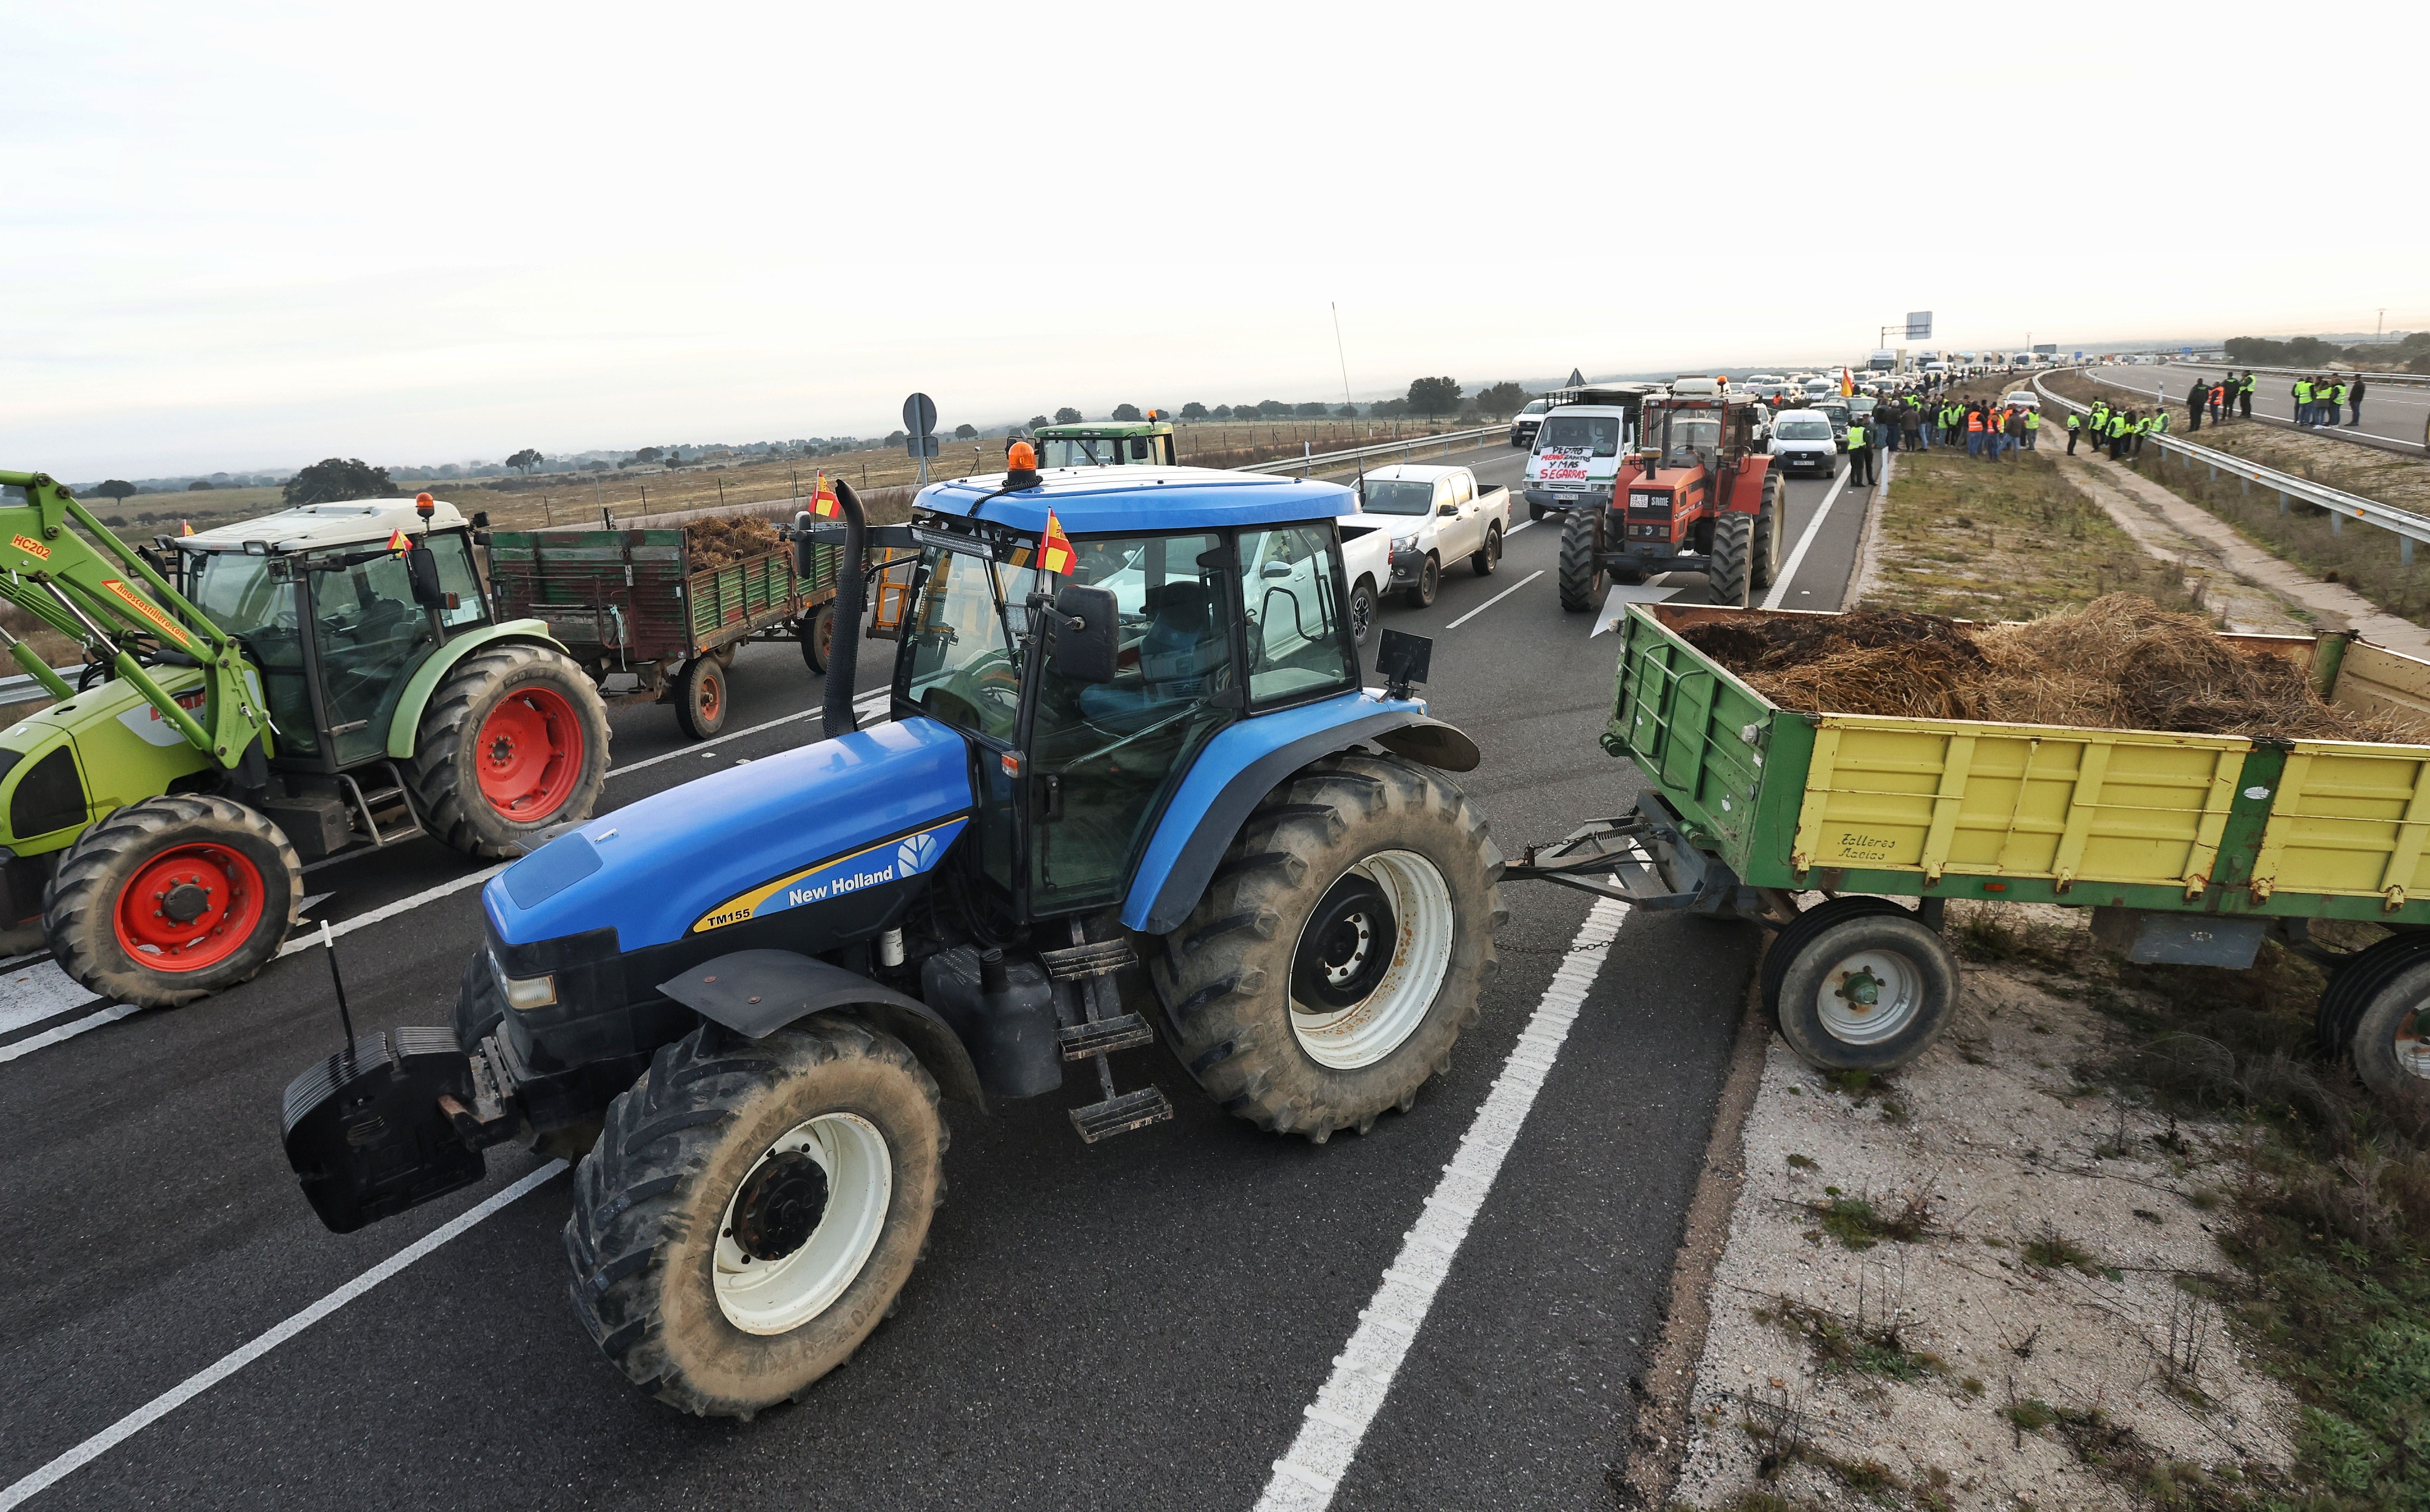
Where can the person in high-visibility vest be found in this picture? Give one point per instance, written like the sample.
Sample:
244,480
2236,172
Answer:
2033,429
1975,431
2075,428
2116,428
2244,394
1860,454
2218,401
2337,399
2303,401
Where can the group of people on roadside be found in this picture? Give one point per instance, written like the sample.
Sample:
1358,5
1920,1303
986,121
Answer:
2122,430
2320,397
1916,422
2222,397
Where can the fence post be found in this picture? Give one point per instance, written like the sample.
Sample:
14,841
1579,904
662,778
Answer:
2337,522
2281,501
2404,549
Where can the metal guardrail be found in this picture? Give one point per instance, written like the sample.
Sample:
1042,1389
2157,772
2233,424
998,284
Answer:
23,685
1357,454
2407,526
2303,372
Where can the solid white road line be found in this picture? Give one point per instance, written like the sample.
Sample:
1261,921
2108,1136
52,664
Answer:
1495,599
40,992
389,910
861,705
1515,529
1333,1425
244,1355
1797,557
66,1031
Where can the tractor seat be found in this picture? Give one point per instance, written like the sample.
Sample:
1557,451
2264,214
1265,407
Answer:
1181,647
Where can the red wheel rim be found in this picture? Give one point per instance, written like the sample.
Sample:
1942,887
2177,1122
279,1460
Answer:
712,693
530,753
189,908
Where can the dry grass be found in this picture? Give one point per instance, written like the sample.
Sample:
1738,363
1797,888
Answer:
2119,662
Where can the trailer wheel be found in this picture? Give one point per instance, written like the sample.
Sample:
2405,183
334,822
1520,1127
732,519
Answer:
480,1006
1733,557
1362,611
172,899
1488,556
701,697
1339,950
1794,934
752,1209
817,632
1867,993
1420,594
2390,1038
1581,574
515,740
2357,982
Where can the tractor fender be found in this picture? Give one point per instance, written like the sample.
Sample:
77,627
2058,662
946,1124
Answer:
405,726
757,992
1248,760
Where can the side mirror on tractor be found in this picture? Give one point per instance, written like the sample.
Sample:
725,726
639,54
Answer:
423,568
1086,623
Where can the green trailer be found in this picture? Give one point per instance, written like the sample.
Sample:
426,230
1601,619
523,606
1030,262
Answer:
636,600
2188,848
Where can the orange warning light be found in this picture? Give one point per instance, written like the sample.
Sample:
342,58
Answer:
423,507
1019,458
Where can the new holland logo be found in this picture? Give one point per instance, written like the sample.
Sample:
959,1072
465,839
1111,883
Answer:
915,853
885,862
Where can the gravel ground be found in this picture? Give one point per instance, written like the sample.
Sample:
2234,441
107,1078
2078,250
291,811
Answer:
2026,1332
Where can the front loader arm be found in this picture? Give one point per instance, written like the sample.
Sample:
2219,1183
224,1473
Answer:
75,581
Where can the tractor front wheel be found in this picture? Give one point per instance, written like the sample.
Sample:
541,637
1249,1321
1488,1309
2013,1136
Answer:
172,899
514,741
1581,574
753,1208
1340,949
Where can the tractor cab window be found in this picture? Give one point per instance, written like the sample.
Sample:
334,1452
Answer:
959,666
452,551
1599,434
1078,451
370,635
254,602
1104,755
1295,620
1692,436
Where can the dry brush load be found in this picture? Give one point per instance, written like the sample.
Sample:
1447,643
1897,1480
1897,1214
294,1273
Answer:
724,541
2119,662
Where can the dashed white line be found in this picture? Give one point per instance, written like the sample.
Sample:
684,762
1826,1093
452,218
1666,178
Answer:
1333,1425
1797,557
244,1355
861,707
66,1031
1495,599
1515,529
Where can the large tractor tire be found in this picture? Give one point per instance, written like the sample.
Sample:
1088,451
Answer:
172,899
1770,527
753,1208
480,1005
1339,950
1732,560
1862,990
1581,576
513,742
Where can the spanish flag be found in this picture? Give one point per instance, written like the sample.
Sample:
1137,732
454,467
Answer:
186,527
824,502
1847,383
1054,553
397,542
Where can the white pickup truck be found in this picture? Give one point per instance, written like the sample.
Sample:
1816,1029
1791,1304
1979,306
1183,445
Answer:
1433,516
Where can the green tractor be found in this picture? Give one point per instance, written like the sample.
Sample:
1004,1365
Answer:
1107,444
319,682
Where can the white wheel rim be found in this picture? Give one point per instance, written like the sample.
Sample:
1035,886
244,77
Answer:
2412,1047
780,1295
1379,1024
1890,979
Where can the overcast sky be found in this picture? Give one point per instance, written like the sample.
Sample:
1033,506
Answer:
244,235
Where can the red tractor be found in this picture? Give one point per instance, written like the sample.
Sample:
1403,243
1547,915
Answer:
1698,494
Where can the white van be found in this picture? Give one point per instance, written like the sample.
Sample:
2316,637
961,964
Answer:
1577,454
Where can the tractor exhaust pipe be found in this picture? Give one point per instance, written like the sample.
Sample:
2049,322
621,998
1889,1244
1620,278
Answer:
843,656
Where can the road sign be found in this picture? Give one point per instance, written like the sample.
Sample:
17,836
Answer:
919,446
1918,325
1577,379
918,414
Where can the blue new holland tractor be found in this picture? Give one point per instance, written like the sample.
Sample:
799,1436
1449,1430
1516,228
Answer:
1142,796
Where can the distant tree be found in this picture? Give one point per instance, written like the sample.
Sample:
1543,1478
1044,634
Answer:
1433,396
1503,398
1389,409
966,433
1221,412
1244,411
525,460
894,438
115,489
1066,416
201,486
1193,411
336,479
1313,410
648,453
1126,412
1346,413
1036,420
1273,409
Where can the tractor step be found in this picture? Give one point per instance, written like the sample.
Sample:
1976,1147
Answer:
1120,1115
1100,1037
1073,962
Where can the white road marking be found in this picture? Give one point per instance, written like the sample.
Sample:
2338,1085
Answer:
391,910
1805,542
860,706
244,1355
1515,529
66,1031
39,992
1333,1425
1495,599
1616,602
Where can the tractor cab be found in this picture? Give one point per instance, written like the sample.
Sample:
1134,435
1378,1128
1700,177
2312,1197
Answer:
1115,444
1698,493
335,615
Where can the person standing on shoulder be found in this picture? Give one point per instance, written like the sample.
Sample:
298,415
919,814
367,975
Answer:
2218,401
2033,429
2195,397
1861,455
1917,433
1974,431
2303,401
2337,397
2015,432
2353,403
2075,428
2244,393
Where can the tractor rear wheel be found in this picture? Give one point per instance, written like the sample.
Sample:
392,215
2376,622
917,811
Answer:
1733,556
1339,950
701,697
513,742
1769,528
171,899
753,1208
1581,574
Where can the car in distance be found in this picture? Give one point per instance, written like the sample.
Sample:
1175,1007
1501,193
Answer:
1525,423
1802,441
1436,516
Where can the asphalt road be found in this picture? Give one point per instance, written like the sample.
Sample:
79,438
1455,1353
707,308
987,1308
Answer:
1135,1325
2390,411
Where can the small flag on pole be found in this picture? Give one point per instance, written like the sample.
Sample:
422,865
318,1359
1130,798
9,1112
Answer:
186,527
397,542
824,502
1054,554
1847,383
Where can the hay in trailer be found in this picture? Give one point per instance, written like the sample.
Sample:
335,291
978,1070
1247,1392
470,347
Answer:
722,542
2119,662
